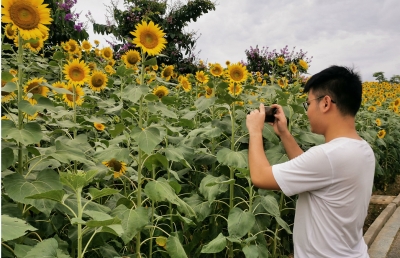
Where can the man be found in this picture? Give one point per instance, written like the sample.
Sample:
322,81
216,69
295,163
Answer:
333,180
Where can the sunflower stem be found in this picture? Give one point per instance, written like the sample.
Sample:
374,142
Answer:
75,131
19,86
139,190
80,212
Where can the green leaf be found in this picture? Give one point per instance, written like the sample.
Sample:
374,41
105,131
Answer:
78,180
237,159
283,224
203,103
161,190
6,76
269,134
100,219
7,126
118,129
21,250
177,154
55,195
12,228
215,246
31,133
152,61
133,221
46,248
58,55
156,159
270,204
18,188
9,87
202,208
240,222
147,138
113,152
312,138
115,229
175,248
66,154
7,158
158,106
134,93
96,193
211,192
255,251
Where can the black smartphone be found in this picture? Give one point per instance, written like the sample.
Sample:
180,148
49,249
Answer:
269,114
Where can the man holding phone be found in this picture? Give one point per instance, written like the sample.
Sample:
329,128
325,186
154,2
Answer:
333,180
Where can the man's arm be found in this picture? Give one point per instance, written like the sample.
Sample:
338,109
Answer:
260,168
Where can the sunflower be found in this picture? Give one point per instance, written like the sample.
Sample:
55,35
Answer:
71,46
98,81
303,64
293,68
131,58
34,87
160,91
378,103
202,77
29,16
86,46
99,126
60,85
118,167
282,82
107,53
92,66
378,122
209,92
372,108
149,37
258,74
228,63
13,72
154,67
30,117
237,73
167,72
6,96
186,85
235,89
76,72
280,61
109,69
96,42
381,134
216,70
69,98
397,102
10,32
264,83
111,62
259,79
35,44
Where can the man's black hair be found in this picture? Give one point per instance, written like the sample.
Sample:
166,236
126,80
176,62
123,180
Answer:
342,84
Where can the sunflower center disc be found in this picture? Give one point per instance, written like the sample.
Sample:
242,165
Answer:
150,41
97,82
76,74
24,15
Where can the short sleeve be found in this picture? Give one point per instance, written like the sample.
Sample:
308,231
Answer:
310,171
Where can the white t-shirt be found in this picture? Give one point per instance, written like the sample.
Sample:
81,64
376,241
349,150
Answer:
334,182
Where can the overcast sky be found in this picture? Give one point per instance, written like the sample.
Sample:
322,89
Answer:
364,34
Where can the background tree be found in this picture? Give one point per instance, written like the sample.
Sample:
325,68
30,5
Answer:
171,18
65,23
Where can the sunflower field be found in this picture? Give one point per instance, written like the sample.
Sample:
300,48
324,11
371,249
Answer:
125,157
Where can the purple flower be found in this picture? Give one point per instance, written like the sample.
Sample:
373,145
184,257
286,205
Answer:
68,17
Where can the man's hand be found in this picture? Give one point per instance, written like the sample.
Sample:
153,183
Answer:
255,120
280,124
